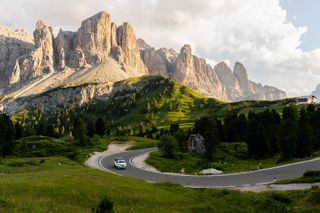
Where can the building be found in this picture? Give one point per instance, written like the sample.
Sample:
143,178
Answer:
307,100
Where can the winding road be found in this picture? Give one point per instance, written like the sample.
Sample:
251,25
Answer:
253,178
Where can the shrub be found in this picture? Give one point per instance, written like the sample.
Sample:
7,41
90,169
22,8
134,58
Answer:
3,202
168,146
281,197
105,206
311,174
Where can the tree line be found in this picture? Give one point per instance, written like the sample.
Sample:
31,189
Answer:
294,133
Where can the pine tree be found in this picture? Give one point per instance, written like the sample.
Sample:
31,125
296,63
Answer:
100,127
90,129
305,138
7,134
258,144
288,132
79,132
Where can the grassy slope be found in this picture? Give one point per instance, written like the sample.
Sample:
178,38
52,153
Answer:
189,108
61,185
183,105
192,105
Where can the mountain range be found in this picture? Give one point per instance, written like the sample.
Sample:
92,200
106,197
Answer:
102,53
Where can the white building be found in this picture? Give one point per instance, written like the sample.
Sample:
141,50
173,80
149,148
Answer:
307,100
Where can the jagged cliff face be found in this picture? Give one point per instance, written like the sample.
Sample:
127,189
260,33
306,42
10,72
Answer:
100,51
12,46
218,82
97,40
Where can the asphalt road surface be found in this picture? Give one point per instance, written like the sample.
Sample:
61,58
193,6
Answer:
213,181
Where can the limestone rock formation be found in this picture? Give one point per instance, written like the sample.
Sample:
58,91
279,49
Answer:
196,73
101,51
159,62
218,82
253,91
196,144
241,74
142,44
13,44
97,40
40,60
129,51
230,85
94,37
64,51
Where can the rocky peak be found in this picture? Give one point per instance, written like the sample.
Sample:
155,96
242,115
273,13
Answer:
42,34
19,35
13,44
143,45
93,37
158,62
225,74
231,86
186,52
43,39
240,71
128,52
241,74
184,65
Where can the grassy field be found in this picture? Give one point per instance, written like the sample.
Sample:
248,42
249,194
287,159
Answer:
57,184
229,158
40,146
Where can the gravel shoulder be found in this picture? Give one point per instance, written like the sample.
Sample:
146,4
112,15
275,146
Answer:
140,162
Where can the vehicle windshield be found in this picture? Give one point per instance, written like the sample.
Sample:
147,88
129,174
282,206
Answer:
121,161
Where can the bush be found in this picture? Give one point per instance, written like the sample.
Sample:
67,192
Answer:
311,174
281,197
168,146
3,202
105,206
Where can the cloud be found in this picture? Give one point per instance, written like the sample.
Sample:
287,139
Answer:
59,13
254,32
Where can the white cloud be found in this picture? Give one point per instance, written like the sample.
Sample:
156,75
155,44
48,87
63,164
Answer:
254,32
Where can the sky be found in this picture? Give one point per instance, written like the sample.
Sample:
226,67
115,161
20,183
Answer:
278,41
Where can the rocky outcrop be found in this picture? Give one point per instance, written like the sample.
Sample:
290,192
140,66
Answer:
196,144
253,91
159,62
35,62
241,74
13,44
94,37
129,51
65,53
196,73
230,85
